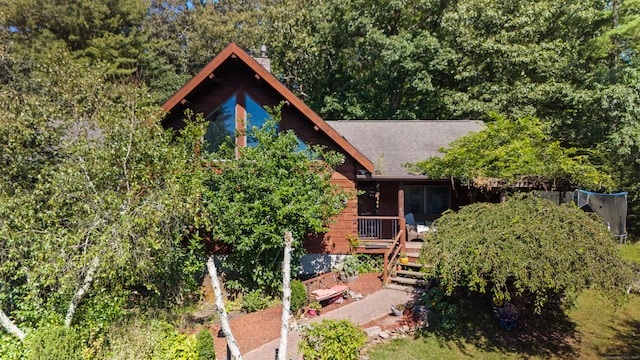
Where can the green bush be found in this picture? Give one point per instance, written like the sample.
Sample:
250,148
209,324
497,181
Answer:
298,295
146,339
332,340
204,345
11,348
526,247
443,312
370,263
254,301
54,342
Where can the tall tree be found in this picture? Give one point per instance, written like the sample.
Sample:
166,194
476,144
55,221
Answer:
96,197
363,59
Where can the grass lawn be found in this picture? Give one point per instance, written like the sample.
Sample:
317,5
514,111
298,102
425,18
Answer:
592,329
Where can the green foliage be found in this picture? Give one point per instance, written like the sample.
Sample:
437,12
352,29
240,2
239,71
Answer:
147,339
98,312
369,263
350,265
443,314
332,340
314,305
54,342
255,300
298,295
91,178
204,345
526,247
270,188
11,348
512,151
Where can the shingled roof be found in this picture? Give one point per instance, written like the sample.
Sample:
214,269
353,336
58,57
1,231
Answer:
390,143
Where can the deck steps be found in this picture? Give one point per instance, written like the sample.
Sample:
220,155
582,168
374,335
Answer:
404,288
409,275
409,281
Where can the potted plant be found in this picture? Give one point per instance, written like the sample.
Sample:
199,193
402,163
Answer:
397,309
349,269
314,308
404,259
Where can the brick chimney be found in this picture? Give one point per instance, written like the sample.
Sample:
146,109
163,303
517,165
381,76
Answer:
263,59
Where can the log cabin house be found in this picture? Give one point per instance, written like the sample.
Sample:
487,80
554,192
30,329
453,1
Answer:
234,85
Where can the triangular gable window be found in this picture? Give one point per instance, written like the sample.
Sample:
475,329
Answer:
223,122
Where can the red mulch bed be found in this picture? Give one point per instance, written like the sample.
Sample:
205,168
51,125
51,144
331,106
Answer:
258,328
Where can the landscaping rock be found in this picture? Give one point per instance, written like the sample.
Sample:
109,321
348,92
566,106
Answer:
373,331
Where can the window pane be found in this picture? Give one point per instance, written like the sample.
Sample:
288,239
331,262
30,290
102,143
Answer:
256,116
414,199
222,127
437,199
422,199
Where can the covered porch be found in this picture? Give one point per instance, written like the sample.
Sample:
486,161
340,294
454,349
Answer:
383,206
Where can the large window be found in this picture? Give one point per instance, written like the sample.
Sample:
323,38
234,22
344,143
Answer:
423,199
257,116
222,125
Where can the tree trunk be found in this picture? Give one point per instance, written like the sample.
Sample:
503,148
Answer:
222,312
10,326
88,279
286,296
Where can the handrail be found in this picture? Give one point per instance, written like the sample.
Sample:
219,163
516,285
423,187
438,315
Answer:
394,251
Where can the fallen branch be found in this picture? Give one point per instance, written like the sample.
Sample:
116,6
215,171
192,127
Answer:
222,312
88,279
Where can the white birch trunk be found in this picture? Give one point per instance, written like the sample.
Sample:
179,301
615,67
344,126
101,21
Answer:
286,296
222,312
88,279
10,326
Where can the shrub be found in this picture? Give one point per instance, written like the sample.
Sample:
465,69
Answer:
443,313
370,263
350,265
254,301
54,342
11,348
205,346
146,339
332,340
526,247
298,295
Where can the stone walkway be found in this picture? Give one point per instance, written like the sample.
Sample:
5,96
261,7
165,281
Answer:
372,307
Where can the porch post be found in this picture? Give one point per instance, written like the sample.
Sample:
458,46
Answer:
402,221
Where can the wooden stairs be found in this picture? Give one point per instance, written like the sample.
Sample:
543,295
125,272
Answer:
409,277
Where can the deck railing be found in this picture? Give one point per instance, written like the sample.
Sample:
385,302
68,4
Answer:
378,227
381,235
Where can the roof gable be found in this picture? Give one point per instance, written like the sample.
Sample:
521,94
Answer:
235,52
